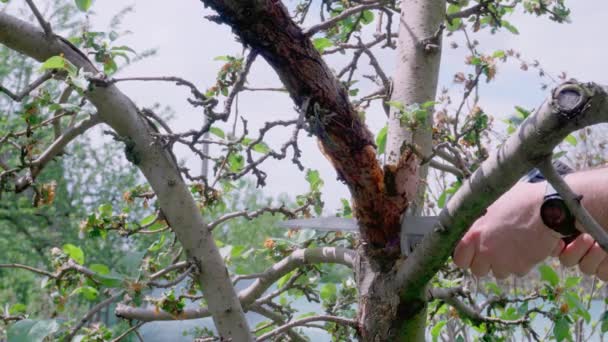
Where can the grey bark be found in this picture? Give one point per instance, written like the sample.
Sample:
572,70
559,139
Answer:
415,80
119,112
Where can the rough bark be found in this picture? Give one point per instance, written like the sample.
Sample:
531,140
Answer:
119,112
267,27
382,313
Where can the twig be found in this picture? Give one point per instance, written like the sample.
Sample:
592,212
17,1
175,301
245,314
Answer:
27,90
174,281
128,331
334,20
323,318
170,268
43,23
92,312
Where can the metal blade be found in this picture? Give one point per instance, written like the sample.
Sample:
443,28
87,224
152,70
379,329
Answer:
326,224
413,225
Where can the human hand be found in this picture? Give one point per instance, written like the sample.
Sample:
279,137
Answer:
511,237
587,254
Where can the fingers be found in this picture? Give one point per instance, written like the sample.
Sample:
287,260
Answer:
602,270
463,254
591,261
574,251
559,247
479,266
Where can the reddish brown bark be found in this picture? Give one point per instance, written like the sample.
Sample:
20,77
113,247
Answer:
346,141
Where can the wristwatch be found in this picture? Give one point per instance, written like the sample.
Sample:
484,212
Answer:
553,211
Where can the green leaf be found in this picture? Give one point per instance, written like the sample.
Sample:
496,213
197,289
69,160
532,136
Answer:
571,139
367,17
314,179
381,139
396,104
28,330
236,162
158,244
84,5
436,331
148,220
105,210
494,288
74,252
509,27
55,63
99,269
498,54
574,302
604,319
328,291
548,274
112,280
88,292
521,112
572,282
16,309
561,329
261,147
322,43
217,132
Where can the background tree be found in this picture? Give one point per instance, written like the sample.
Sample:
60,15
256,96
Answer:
392,291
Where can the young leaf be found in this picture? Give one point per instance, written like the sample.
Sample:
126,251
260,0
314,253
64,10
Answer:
571,139
217,132
548,274
381,139
322,43
88,292
99,269
55,62
84,5
74,252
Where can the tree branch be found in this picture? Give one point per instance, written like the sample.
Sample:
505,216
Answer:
43,23
334,20
321,318
572,106
157,165
55,149
27,90
92,312
249,295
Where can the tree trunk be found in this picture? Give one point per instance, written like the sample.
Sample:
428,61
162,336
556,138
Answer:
415,81
383,314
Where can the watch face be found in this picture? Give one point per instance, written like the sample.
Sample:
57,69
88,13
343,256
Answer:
556,216
553,214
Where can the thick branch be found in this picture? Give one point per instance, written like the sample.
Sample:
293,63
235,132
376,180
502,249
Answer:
267,27
156,163
572,106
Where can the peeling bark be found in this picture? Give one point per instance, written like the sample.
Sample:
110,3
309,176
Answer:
267,27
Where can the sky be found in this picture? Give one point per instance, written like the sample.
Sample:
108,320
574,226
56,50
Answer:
187,44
